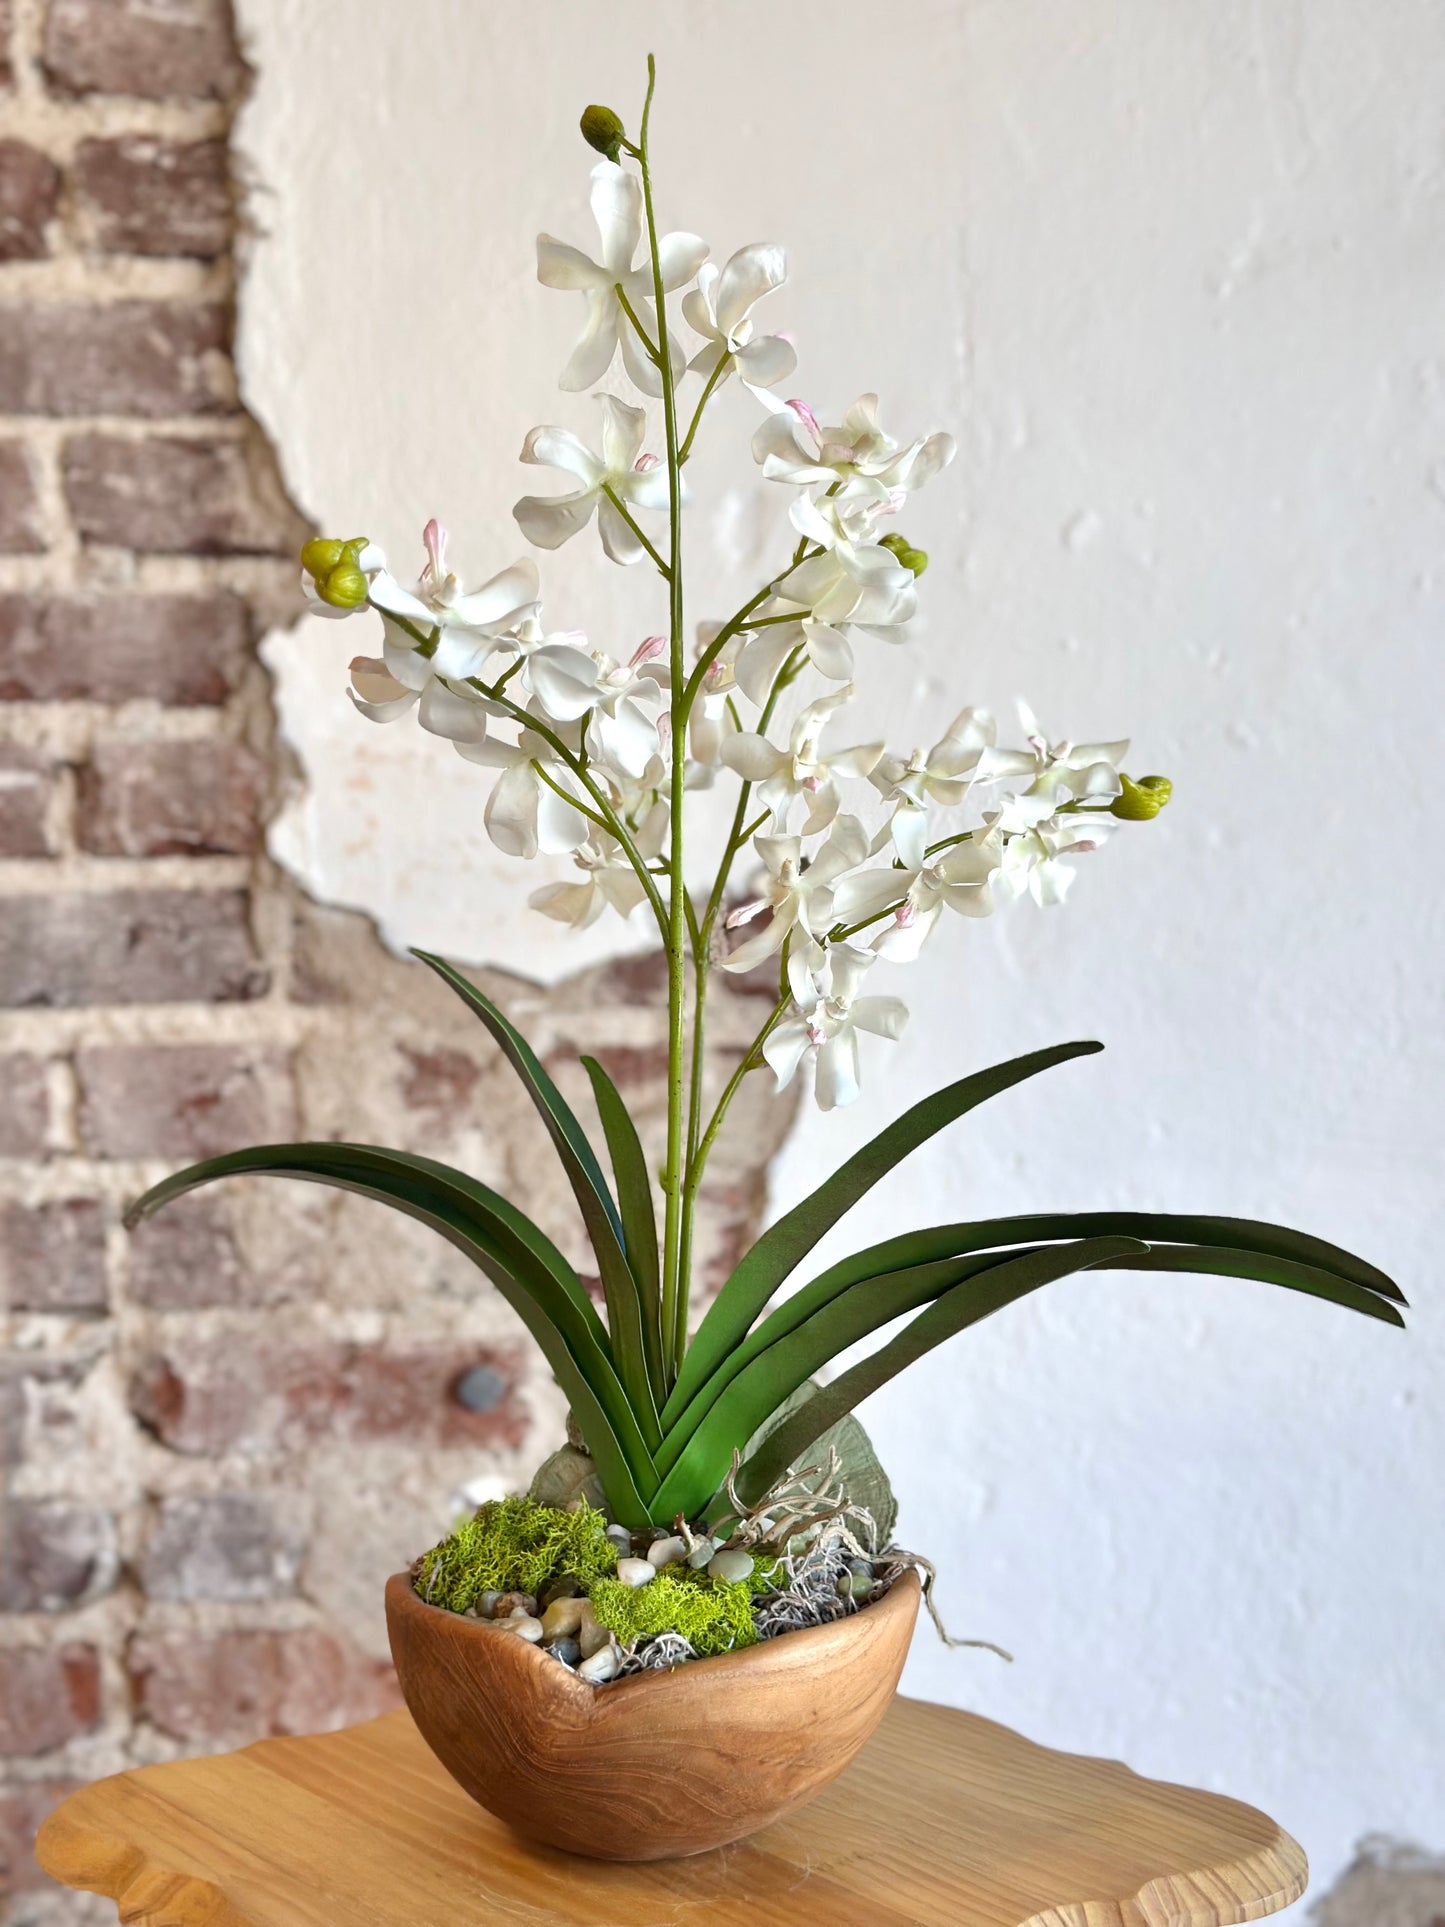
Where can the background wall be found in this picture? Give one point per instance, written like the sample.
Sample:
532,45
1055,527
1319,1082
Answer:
1173,275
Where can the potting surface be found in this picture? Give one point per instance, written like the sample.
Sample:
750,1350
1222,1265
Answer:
944,1820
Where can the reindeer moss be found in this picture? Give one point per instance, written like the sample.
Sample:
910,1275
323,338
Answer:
512,1545
712,1616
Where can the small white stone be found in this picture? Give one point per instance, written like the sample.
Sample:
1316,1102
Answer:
602,1666
701,1553
524,1626
666,1552
635,1572
620,1536
730,1566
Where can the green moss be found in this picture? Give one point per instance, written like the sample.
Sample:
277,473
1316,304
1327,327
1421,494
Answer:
712,1616
512,1545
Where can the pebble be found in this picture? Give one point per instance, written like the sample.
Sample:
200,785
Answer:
701,1553
635,1572
730,1566
620,1537
507,1603
487,1605
564,1588
563,1617
524,1626
592,1636
567,1650
666,1552
601,1666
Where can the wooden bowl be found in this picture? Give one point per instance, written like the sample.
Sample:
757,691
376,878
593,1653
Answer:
658,1765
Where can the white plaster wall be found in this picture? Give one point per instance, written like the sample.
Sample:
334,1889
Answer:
1173,274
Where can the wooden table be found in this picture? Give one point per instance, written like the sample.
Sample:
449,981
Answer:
944,1820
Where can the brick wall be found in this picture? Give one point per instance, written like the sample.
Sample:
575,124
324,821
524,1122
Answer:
220,1435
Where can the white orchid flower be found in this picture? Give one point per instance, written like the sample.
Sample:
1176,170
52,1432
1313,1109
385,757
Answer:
622,470
792,447
470,623
625,720
524,813
824,1032
1032,860
942,775
764,651
1061,772
799,897
713,719
958,879
720,307
616,199
801,770
855,579
386,688
608,878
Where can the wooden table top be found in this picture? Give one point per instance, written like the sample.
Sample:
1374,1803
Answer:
944,1820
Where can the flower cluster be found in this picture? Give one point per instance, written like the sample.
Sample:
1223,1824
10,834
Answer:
860,849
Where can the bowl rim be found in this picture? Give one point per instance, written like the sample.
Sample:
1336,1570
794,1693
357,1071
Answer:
904,1594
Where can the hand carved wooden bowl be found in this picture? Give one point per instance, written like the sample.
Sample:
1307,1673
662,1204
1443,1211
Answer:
658,1765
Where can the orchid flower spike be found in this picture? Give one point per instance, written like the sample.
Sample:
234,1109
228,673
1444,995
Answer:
720,307
621,475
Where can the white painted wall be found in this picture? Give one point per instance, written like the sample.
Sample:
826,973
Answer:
1173,274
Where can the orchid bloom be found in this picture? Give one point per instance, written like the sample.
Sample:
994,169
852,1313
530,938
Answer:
798,896
384,689
942,775
1062,772
824,1031
854,579
719,309
469,623
792,447
783,775
525,814
622,472
764,651
617,206
1032,858
608,878
959,879
713,718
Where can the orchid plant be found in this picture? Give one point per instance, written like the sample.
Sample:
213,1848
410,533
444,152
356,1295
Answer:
859,852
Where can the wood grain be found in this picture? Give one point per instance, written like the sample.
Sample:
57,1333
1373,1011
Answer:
943,1820
659,1765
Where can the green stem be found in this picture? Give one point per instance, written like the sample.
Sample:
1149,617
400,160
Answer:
674,1283
621,507
627,308
575,801
750,1060
702,401
735,623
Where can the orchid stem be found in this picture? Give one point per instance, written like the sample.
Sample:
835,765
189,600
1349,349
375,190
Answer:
616,500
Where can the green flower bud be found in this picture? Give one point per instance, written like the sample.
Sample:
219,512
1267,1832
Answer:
1141,801
908,556
332,566
602,129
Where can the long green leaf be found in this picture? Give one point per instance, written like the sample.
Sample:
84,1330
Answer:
599,1213
758,1391
529,1271
1220,1262
639,1219
967,1303
772,1258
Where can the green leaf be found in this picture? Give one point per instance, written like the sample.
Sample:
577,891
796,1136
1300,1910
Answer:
758,1275
693,1466
976,1298
502,1242
1221,1262
639,1220
604,1227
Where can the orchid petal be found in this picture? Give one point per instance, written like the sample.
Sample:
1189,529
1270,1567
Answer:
550,520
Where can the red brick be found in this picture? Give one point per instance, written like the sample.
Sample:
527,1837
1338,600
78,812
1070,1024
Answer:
48,1695
151,48
221,1546
27,781
441,1081
236,1686
29,195
167,496
128,947
182,1100
170,648
120,358
22,530
141,195
248,1395
24,1106
185,1259
169,799
24,1804
54,1556
52,1256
